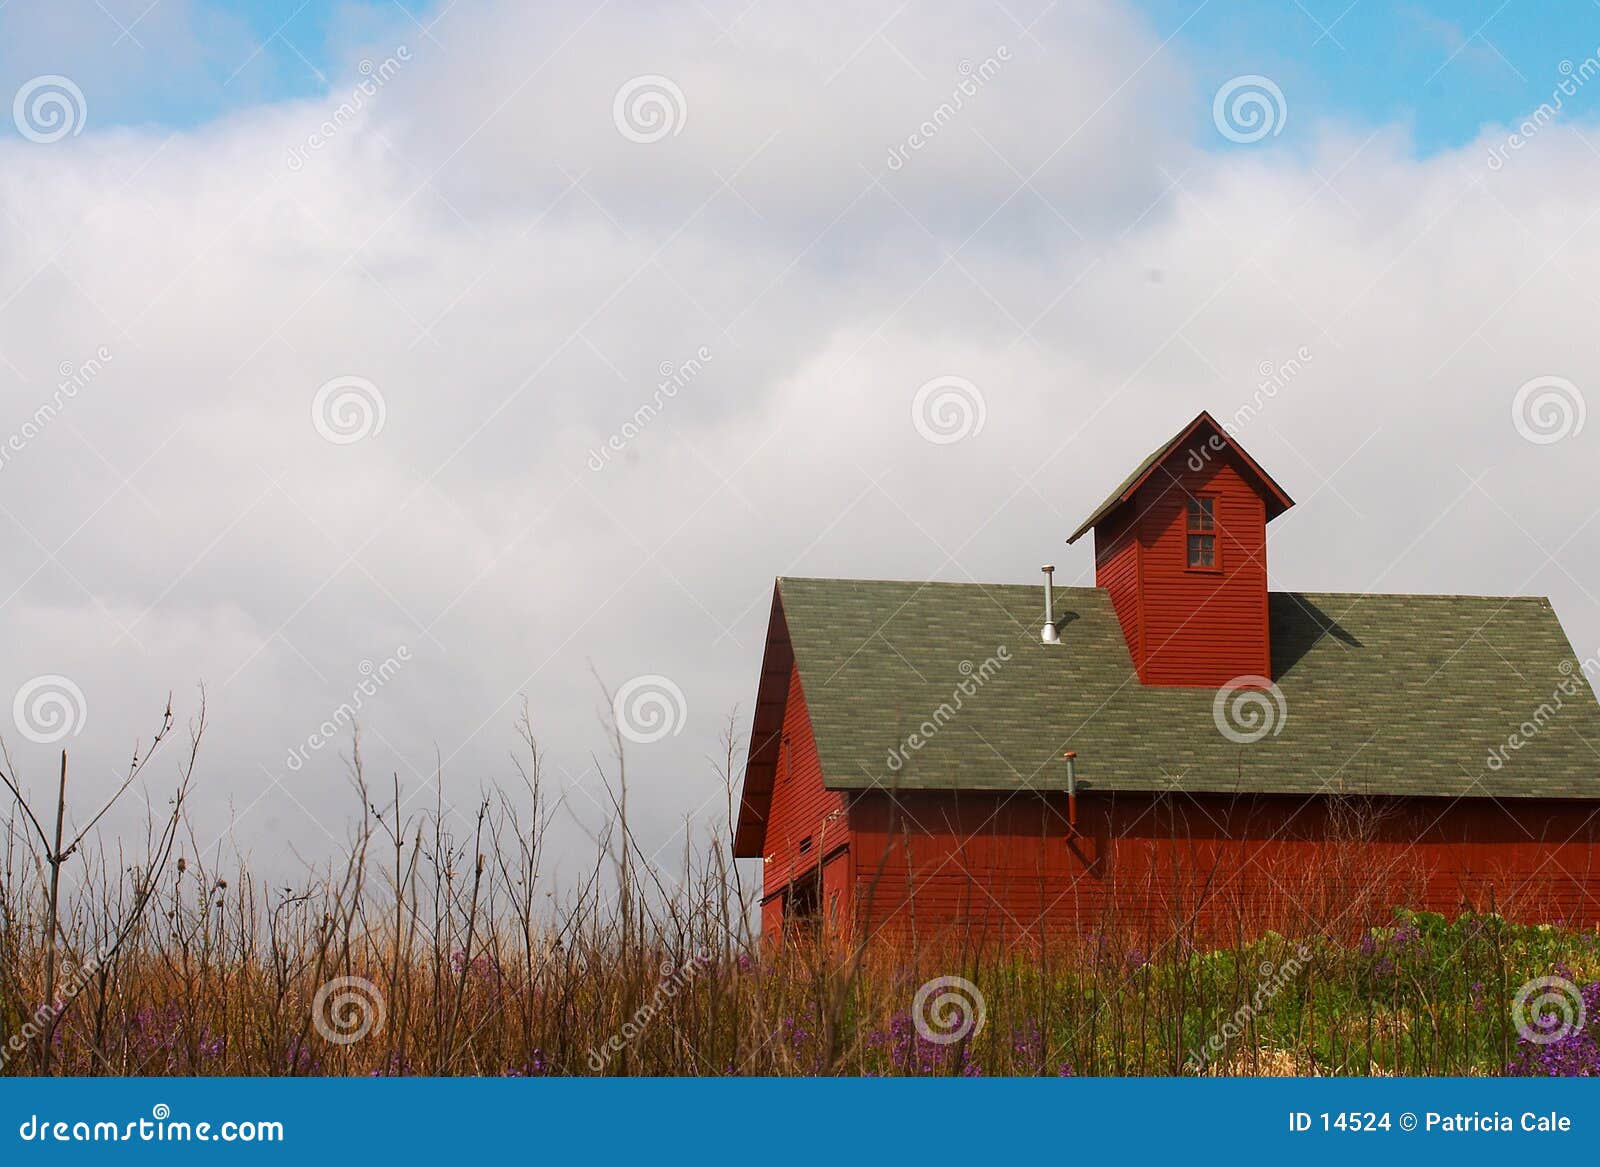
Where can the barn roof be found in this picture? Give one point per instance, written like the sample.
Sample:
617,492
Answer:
1382,694
1277,499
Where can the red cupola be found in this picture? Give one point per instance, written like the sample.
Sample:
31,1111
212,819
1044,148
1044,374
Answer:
1181,546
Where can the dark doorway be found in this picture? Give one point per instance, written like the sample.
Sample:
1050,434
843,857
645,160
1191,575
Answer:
802,907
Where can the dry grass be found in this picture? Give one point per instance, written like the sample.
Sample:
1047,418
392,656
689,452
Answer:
438,948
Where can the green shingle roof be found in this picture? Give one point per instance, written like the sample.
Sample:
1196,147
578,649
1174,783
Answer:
1381,694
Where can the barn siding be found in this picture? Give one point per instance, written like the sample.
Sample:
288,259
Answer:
1116,568
801,810
838,891
1007,867
1202,627
772,916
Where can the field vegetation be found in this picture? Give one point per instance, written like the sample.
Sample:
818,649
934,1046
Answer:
437,945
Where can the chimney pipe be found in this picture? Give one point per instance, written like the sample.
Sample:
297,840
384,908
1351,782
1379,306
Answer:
1072,789
1051,634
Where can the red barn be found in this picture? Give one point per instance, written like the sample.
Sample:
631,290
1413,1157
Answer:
1179,744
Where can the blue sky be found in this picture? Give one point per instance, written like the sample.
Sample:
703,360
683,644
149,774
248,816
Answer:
179,63
1441,70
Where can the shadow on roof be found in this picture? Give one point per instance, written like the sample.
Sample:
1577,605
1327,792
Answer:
1298,624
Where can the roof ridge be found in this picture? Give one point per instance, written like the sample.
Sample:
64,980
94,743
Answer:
1408,595
1357,596
931,583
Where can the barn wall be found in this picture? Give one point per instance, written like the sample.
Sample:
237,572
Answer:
1202,627
805,822
1001,866
838,888
772,916
1116,569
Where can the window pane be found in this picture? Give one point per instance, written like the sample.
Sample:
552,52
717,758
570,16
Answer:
1202,551
1201,515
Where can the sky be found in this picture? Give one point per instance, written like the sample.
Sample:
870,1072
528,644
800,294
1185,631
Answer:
435,359
1441,70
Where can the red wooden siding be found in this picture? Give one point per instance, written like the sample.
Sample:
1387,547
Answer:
1188,626
1116,568
1006,866
772,916
838,891
805,822
1203,627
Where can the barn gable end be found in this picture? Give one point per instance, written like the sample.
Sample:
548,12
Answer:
766,735
788,817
